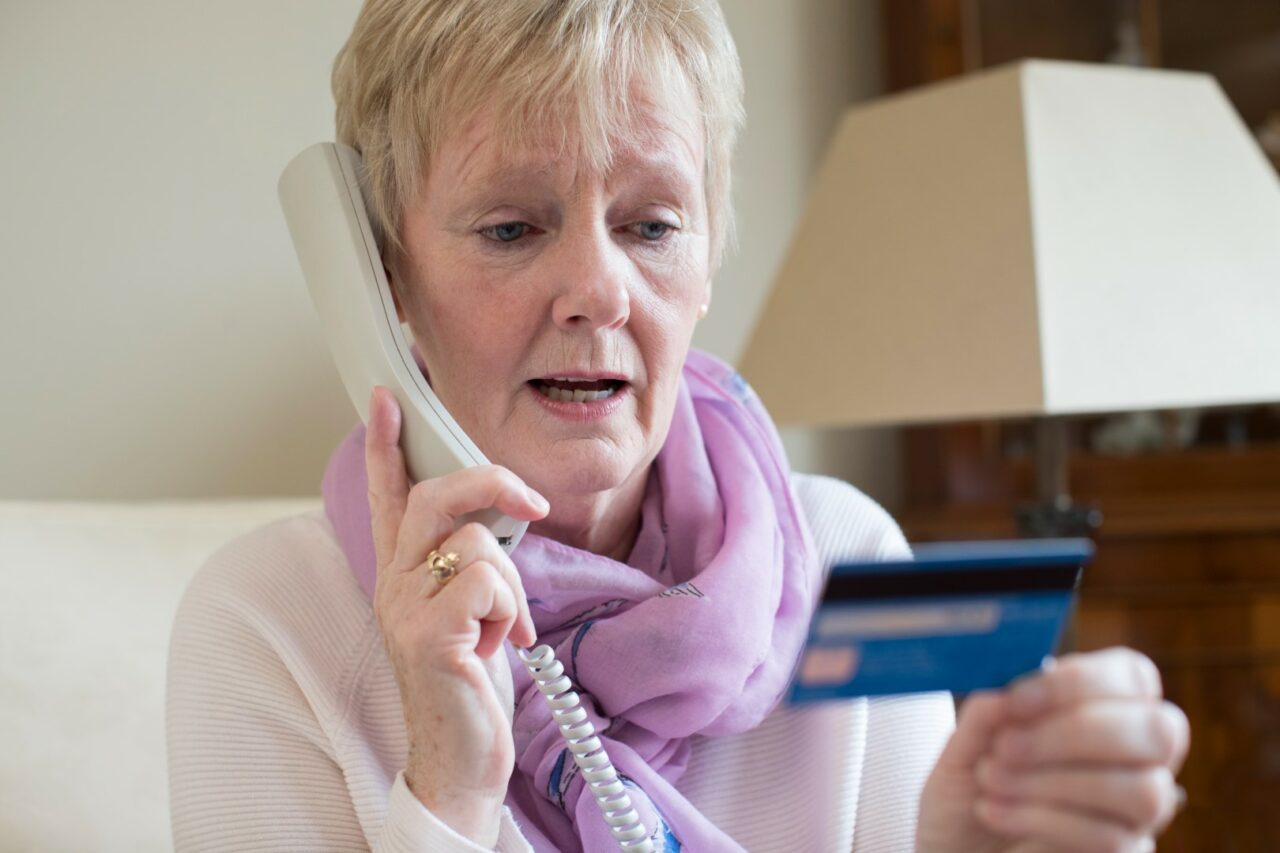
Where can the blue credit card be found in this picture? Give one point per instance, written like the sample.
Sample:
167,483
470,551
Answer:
959,616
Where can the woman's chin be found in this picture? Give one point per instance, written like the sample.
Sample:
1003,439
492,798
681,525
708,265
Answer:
579,467
575,459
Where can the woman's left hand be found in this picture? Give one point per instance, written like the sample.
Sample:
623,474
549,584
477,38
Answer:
1079,757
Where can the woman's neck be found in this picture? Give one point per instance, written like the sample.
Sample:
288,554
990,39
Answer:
604,523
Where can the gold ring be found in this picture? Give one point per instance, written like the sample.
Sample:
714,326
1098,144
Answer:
443,566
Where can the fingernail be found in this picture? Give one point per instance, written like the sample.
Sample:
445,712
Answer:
538,500
1030,696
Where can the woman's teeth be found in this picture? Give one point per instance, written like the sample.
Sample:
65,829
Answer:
574,395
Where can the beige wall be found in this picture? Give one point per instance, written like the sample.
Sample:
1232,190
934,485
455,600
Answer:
804,61
155,337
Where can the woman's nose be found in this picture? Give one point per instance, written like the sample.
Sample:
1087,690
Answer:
592,277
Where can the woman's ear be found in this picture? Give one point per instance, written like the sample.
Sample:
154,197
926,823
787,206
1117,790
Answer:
706,302
395,290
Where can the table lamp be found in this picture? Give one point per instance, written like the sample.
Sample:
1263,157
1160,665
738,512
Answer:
1040,239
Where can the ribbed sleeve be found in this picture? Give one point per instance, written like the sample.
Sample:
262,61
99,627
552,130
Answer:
903,735
410,826
250,766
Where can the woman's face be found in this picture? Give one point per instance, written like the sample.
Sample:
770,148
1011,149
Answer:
540,281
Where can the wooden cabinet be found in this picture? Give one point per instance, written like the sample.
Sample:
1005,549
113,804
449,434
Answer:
1200,594
1237,41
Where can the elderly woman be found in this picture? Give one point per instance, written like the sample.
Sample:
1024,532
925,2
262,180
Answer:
553,181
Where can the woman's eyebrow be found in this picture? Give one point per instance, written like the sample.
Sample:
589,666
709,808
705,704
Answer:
484,186
671,173
504,184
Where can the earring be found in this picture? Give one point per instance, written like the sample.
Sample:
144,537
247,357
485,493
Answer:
702,310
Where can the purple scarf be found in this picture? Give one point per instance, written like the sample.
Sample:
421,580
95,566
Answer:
696,634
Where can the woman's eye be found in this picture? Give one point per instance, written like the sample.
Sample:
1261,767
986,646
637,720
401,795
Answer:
653,229
506,232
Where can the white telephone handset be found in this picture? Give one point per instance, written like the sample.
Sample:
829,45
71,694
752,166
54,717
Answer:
323,194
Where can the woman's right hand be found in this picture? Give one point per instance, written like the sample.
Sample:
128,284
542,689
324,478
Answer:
445,641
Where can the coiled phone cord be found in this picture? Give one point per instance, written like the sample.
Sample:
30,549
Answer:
588,753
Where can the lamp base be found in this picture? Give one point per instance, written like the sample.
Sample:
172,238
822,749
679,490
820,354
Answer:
1057,519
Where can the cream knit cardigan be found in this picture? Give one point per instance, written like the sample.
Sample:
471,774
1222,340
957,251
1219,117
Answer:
285,730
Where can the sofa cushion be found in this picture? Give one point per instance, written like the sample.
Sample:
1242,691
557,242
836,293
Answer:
87,597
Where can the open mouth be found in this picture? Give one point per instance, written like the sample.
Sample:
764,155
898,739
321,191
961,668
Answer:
568,390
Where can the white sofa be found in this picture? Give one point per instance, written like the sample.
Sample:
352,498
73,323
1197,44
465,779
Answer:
87,597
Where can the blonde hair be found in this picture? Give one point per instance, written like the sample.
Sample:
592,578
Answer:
411,69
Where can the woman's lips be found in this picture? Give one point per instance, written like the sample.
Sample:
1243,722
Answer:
577,390
592,407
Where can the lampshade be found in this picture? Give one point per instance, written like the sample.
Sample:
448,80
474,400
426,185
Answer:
1041,238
